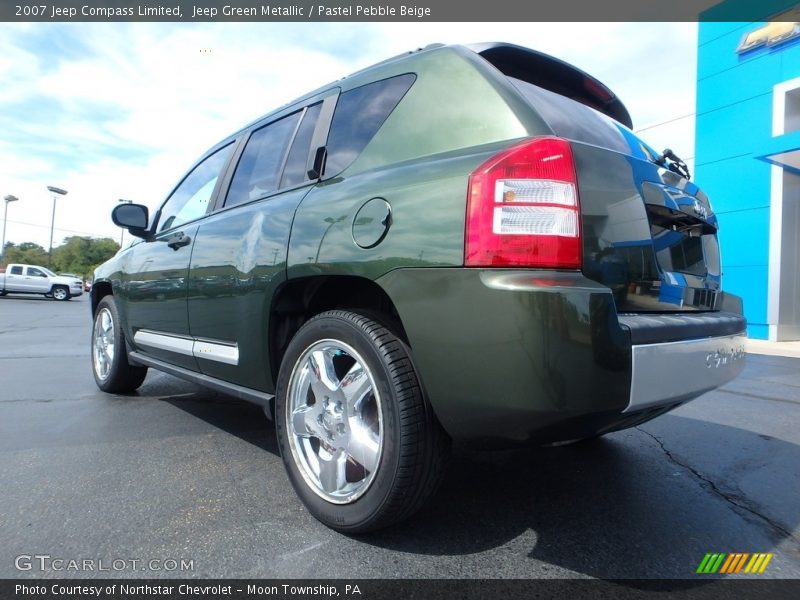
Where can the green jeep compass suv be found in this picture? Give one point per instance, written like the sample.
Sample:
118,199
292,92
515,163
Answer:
460,243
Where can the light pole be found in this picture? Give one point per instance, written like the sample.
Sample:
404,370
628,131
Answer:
8,200
122,229
56,193
331,222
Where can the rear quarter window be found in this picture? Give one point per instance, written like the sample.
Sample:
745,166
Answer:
359,114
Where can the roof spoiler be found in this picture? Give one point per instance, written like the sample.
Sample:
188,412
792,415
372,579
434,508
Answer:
555,75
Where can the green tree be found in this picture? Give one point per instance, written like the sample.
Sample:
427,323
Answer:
24,253
78,254
81,255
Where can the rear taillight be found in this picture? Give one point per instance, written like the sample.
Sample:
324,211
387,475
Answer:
522,208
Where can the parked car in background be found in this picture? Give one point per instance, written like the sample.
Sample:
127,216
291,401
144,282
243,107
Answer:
35,279
459,243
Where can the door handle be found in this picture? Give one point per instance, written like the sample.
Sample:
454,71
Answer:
179,240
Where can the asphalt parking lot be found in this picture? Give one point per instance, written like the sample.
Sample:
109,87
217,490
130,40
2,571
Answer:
178,472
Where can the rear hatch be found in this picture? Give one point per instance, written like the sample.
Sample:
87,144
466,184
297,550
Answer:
648,233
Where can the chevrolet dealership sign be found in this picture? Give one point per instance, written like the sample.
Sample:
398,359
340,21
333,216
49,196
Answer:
771,34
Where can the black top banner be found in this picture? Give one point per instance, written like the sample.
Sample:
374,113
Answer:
393,10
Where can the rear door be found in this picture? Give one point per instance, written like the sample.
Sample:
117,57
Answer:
239,256
15,279
648,232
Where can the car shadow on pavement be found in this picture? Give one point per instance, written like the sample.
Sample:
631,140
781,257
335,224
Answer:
649,502
619,507
237,417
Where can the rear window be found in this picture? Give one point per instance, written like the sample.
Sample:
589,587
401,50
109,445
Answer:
678,252
572,120
359,114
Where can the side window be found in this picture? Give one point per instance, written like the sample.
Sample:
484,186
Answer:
260,165
190,199
16,270
294,173
359,114
34,272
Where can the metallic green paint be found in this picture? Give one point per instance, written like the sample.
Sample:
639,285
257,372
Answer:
507,354
151,290
238,261
451,105
455,116
427,200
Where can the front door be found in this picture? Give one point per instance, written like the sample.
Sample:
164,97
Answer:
155,272
36,280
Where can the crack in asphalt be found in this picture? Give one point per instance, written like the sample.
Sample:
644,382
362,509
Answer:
732,500
55,399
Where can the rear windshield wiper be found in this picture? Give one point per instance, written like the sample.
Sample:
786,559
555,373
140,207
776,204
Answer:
675,164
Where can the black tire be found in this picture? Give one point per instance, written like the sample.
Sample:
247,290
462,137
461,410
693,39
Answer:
112,374
60,292
413,447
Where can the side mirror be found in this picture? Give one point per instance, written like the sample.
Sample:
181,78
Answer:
133,217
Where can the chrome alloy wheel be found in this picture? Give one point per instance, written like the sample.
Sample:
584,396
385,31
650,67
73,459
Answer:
334,422
60,293
103,343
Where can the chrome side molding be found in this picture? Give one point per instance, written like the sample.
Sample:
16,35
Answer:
224,352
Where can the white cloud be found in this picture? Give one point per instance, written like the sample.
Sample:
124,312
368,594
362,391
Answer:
138,103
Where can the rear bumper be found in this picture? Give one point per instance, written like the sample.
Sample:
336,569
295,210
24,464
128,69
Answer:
513,357
674,372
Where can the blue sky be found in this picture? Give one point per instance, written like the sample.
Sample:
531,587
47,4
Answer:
120,110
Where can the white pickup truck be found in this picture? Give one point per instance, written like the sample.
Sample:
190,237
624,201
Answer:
33,279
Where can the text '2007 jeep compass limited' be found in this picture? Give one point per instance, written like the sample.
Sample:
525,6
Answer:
460,243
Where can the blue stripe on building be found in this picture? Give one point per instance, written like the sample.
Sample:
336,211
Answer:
747,160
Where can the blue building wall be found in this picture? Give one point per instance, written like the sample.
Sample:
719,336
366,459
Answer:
733,135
